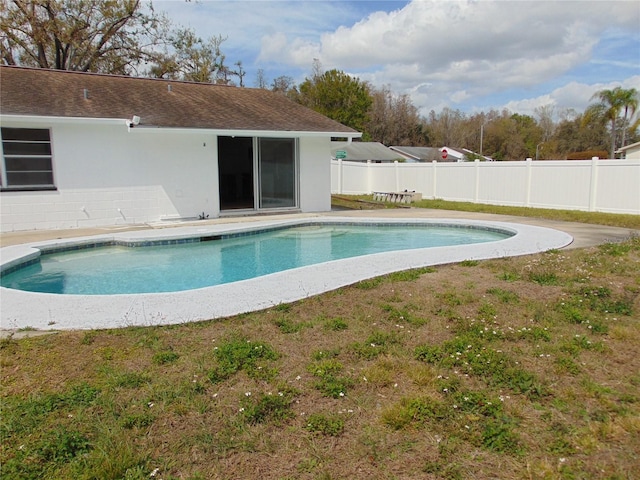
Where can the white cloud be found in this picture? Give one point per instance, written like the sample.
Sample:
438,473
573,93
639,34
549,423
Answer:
464,49
298,52
467,54
249,24
574,95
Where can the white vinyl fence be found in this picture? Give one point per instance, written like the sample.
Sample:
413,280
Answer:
590,185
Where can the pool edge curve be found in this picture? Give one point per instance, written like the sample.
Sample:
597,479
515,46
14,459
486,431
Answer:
73,312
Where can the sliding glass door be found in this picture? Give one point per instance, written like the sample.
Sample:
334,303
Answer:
257,173
235,173
277,170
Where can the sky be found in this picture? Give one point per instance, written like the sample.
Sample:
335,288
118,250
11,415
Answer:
472,55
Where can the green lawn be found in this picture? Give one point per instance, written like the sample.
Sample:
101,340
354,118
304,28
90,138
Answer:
598,218
515,368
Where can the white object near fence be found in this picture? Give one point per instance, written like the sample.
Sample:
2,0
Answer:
397,197
590,185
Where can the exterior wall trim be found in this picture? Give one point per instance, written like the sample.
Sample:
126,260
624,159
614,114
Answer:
31,119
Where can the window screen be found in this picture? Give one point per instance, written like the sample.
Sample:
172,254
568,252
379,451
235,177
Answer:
27,158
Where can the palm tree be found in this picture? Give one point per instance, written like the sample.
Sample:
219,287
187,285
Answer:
630,101
612,102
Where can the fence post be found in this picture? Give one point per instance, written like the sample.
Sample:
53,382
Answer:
527,199
476,195
369,173
340,176
435,183
593,187
395,172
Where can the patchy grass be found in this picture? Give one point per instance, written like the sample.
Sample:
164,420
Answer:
365,202
507,368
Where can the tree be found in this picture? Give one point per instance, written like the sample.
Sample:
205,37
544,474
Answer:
530,133
379,127
106,36
261,79
283,84
394,120
544,115
447,128
629,100
504,139
240,72
338,96
475,130
608,109
574,134
195,60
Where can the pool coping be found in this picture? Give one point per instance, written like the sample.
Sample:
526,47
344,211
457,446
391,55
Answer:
43,311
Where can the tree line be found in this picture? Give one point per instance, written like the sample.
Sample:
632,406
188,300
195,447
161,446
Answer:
123,37
382,116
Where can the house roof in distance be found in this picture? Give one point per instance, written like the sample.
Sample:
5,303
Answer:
363,151
421,154
158,102
632,146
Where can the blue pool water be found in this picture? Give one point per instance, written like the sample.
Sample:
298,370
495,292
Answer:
169,268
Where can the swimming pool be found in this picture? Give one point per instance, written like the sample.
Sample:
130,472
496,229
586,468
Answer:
45,311
201,262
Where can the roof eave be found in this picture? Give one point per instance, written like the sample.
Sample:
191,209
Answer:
246,133
628,147
20,119
6,119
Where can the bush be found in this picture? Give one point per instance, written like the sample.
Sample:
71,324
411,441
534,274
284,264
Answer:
587,155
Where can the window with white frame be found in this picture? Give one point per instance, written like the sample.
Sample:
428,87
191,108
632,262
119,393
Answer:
26,159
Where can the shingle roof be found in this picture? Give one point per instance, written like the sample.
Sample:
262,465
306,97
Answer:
420,154
363,151
158,103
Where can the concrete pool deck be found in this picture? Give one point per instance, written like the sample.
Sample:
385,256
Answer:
584,235
48,312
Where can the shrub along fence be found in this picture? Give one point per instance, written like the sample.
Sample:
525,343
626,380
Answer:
590,185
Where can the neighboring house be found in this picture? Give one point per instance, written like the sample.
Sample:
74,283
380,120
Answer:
631,151
373,152
81,149
427,154
431,154
453,154
471,155
419,154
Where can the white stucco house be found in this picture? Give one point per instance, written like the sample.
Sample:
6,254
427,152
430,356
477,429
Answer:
81,149
631,152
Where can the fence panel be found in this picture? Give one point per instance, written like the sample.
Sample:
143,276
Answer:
352,178
614,183
502,183
415,177
561,184
589,185
455,182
